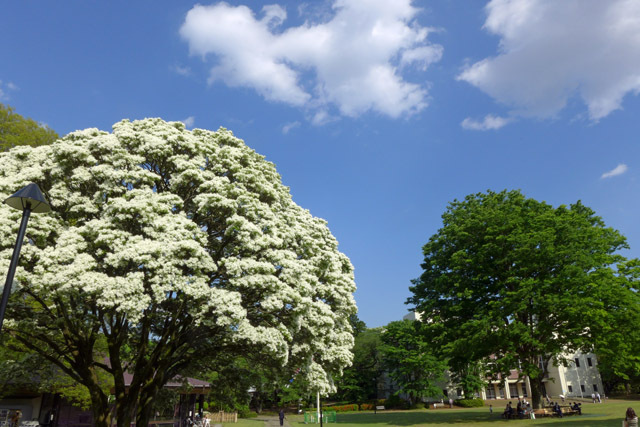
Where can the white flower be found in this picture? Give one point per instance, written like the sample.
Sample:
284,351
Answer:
154,213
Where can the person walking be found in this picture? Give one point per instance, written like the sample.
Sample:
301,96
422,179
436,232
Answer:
281,416
630,418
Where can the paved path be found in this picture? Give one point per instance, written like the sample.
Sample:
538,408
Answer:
272,421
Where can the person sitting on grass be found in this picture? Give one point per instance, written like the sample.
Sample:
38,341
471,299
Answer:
631,419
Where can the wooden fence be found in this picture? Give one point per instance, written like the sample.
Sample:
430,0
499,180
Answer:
223,417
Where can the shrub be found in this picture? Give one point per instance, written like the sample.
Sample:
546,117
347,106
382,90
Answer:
244,411
419,405
367,406
469,403
395,402
341,408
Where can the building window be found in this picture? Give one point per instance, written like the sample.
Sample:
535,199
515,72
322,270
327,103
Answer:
589,361
570,389
595,388
459,392
582,387
513,390
491,392
577,362
523,386
444,391
501,393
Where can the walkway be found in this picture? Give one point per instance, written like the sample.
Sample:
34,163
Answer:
272,421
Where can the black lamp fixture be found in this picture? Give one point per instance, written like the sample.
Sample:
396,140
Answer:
29,199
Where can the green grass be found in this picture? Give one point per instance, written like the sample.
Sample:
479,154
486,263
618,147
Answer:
606,414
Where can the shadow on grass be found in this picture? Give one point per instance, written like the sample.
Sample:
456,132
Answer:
467,418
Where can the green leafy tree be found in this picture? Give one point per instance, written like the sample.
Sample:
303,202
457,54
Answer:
16,130
518,283
359,382
409,360
471,376
619,339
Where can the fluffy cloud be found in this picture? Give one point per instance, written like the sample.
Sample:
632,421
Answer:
618,170
353,61
551,51
490,122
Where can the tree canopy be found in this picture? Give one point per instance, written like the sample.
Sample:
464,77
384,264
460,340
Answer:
513,281
165,245
410,361
16,130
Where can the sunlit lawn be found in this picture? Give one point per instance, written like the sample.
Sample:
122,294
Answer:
610,413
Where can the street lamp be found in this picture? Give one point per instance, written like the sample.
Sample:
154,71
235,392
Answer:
29,199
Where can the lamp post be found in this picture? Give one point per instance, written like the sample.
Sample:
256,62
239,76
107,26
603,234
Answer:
29,199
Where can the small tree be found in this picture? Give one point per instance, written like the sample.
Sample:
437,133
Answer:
410,362
518,283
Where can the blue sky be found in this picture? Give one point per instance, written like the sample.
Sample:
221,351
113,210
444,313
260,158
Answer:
376,113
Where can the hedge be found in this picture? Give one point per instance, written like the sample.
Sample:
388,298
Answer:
341,408
470,403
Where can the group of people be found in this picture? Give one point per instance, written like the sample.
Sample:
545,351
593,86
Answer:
557,409
522,410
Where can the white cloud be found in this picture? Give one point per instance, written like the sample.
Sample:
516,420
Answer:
183,71
287,127
189,121
8,87
551,51
490,122
352,61
618,170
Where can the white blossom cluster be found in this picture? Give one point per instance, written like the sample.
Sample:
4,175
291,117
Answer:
152,212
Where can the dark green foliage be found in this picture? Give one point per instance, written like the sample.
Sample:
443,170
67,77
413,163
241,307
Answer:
359,381
341,408
409,360
17,130
394,402
469,403
512,281
619,341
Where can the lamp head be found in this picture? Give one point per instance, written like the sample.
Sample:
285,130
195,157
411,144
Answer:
29,197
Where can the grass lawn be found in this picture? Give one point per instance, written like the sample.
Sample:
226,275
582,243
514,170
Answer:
610,413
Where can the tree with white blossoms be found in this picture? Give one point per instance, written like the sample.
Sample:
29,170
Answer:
164,246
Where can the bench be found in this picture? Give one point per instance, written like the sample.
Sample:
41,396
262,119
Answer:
380,408
566,410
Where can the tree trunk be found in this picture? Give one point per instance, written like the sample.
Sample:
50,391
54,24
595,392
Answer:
100,408
536,392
